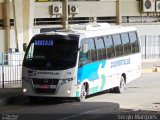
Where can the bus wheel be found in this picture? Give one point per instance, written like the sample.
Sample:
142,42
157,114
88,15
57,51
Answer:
83,94
33,99
121,86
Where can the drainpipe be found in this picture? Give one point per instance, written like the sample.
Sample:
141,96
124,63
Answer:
15,24
7,25
65,14
18,23
118,12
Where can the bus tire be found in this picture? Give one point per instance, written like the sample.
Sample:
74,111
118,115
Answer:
83,94
121,86
33,99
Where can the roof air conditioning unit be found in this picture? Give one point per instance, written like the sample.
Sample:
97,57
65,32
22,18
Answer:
73,9
157,6
56,9
148,5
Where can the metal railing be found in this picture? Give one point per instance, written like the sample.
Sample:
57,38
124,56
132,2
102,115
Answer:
150,46
10,68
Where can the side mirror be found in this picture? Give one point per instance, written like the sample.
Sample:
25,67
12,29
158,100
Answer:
24,47
85,48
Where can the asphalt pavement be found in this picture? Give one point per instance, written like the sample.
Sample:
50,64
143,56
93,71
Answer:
10,95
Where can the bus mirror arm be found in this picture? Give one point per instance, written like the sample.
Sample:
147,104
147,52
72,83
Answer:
85,48
79,49
24,47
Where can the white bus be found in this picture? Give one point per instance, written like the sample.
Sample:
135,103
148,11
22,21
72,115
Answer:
81,61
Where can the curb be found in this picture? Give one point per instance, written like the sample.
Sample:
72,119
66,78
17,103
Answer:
146,70
155,69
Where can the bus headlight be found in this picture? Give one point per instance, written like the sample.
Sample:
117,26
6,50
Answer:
64,81
24,90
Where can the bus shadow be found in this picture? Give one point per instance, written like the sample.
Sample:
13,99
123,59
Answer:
50,101
23,100
98,93
109,91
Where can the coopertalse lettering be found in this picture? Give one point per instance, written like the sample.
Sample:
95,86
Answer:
120,63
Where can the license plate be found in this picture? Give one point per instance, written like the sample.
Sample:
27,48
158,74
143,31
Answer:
44,86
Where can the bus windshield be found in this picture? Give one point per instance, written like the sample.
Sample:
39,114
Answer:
51,53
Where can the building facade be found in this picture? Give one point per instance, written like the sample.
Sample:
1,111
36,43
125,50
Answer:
21,19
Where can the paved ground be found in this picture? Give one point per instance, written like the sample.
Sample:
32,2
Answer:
10,95
140,96
150,65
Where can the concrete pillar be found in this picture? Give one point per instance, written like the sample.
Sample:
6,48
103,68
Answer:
65,14
18,17
28,19
6,16
24,18
118,12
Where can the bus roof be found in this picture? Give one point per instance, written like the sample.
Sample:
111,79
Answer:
94,29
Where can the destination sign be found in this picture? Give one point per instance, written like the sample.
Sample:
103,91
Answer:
44,42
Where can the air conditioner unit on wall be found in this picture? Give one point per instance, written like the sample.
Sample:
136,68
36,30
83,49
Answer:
148,5
56,9
73,9
157,6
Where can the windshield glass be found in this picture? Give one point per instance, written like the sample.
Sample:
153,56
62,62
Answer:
51,52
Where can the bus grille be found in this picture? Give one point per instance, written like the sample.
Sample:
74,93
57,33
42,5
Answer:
45,81
39,90
44,85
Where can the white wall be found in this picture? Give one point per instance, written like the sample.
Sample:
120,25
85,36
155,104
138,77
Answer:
13,42
86,8
2,40
149,29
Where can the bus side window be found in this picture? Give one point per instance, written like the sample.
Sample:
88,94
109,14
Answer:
126,43
91,50
118,45
100,48
109,46
134,41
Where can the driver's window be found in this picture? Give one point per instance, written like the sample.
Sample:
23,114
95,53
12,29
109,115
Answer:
30,53
82,56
